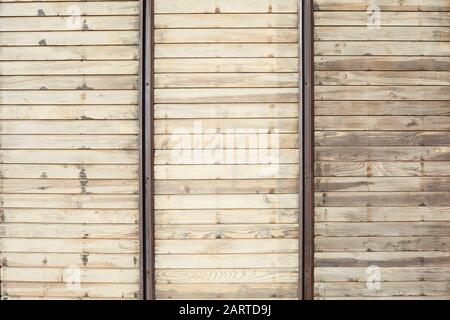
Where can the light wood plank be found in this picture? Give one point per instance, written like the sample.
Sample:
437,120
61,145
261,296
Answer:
13,246
70,231
383,169
62,275
215,216
385,5
226,35
235,50
390,244
219,21
86,53
223,246
223,6
69,171
70,38
381,48
62,260
226,201
388,63
239,231
243,276
61,9
382,108
68,112
215,65
67,216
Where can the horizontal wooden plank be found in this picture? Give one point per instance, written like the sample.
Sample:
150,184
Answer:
387,298
238,231
70,156
71,68
65,201
65,24
195,172
227,80
72,97
255,201
382,93
208,186
219,140
69,82
381,199
381,63
380,214
227,156
62,260
80,246
375,78
68,126
381,48
384,5
223,6
225,261
382,138
45,289
70,231
68,38
381,229
69,112
69,171
269,35
229,95
382,259
215,65
232,110
382,153
96,8
387,274
246,131
218,21
372,244
382,169
382,33
417,289
382,184
56,275
67,216
82,185
215,246
217,216
399,18
235,50
226,276
110,142
407,123
229,290
86,53
392,107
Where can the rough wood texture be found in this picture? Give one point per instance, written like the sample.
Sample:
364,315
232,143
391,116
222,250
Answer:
69,149
382,150
226,94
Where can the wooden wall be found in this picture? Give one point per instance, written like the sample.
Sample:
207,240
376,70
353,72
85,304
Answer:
382,149
226,226
68,157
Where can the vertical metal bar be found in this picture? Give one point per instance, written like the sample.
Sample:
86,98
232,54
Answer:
149,151
300,148
141,153
308,147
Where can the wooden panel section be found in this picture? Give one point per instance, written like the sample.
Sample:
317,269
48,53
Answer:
382,208
226,149
69,160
